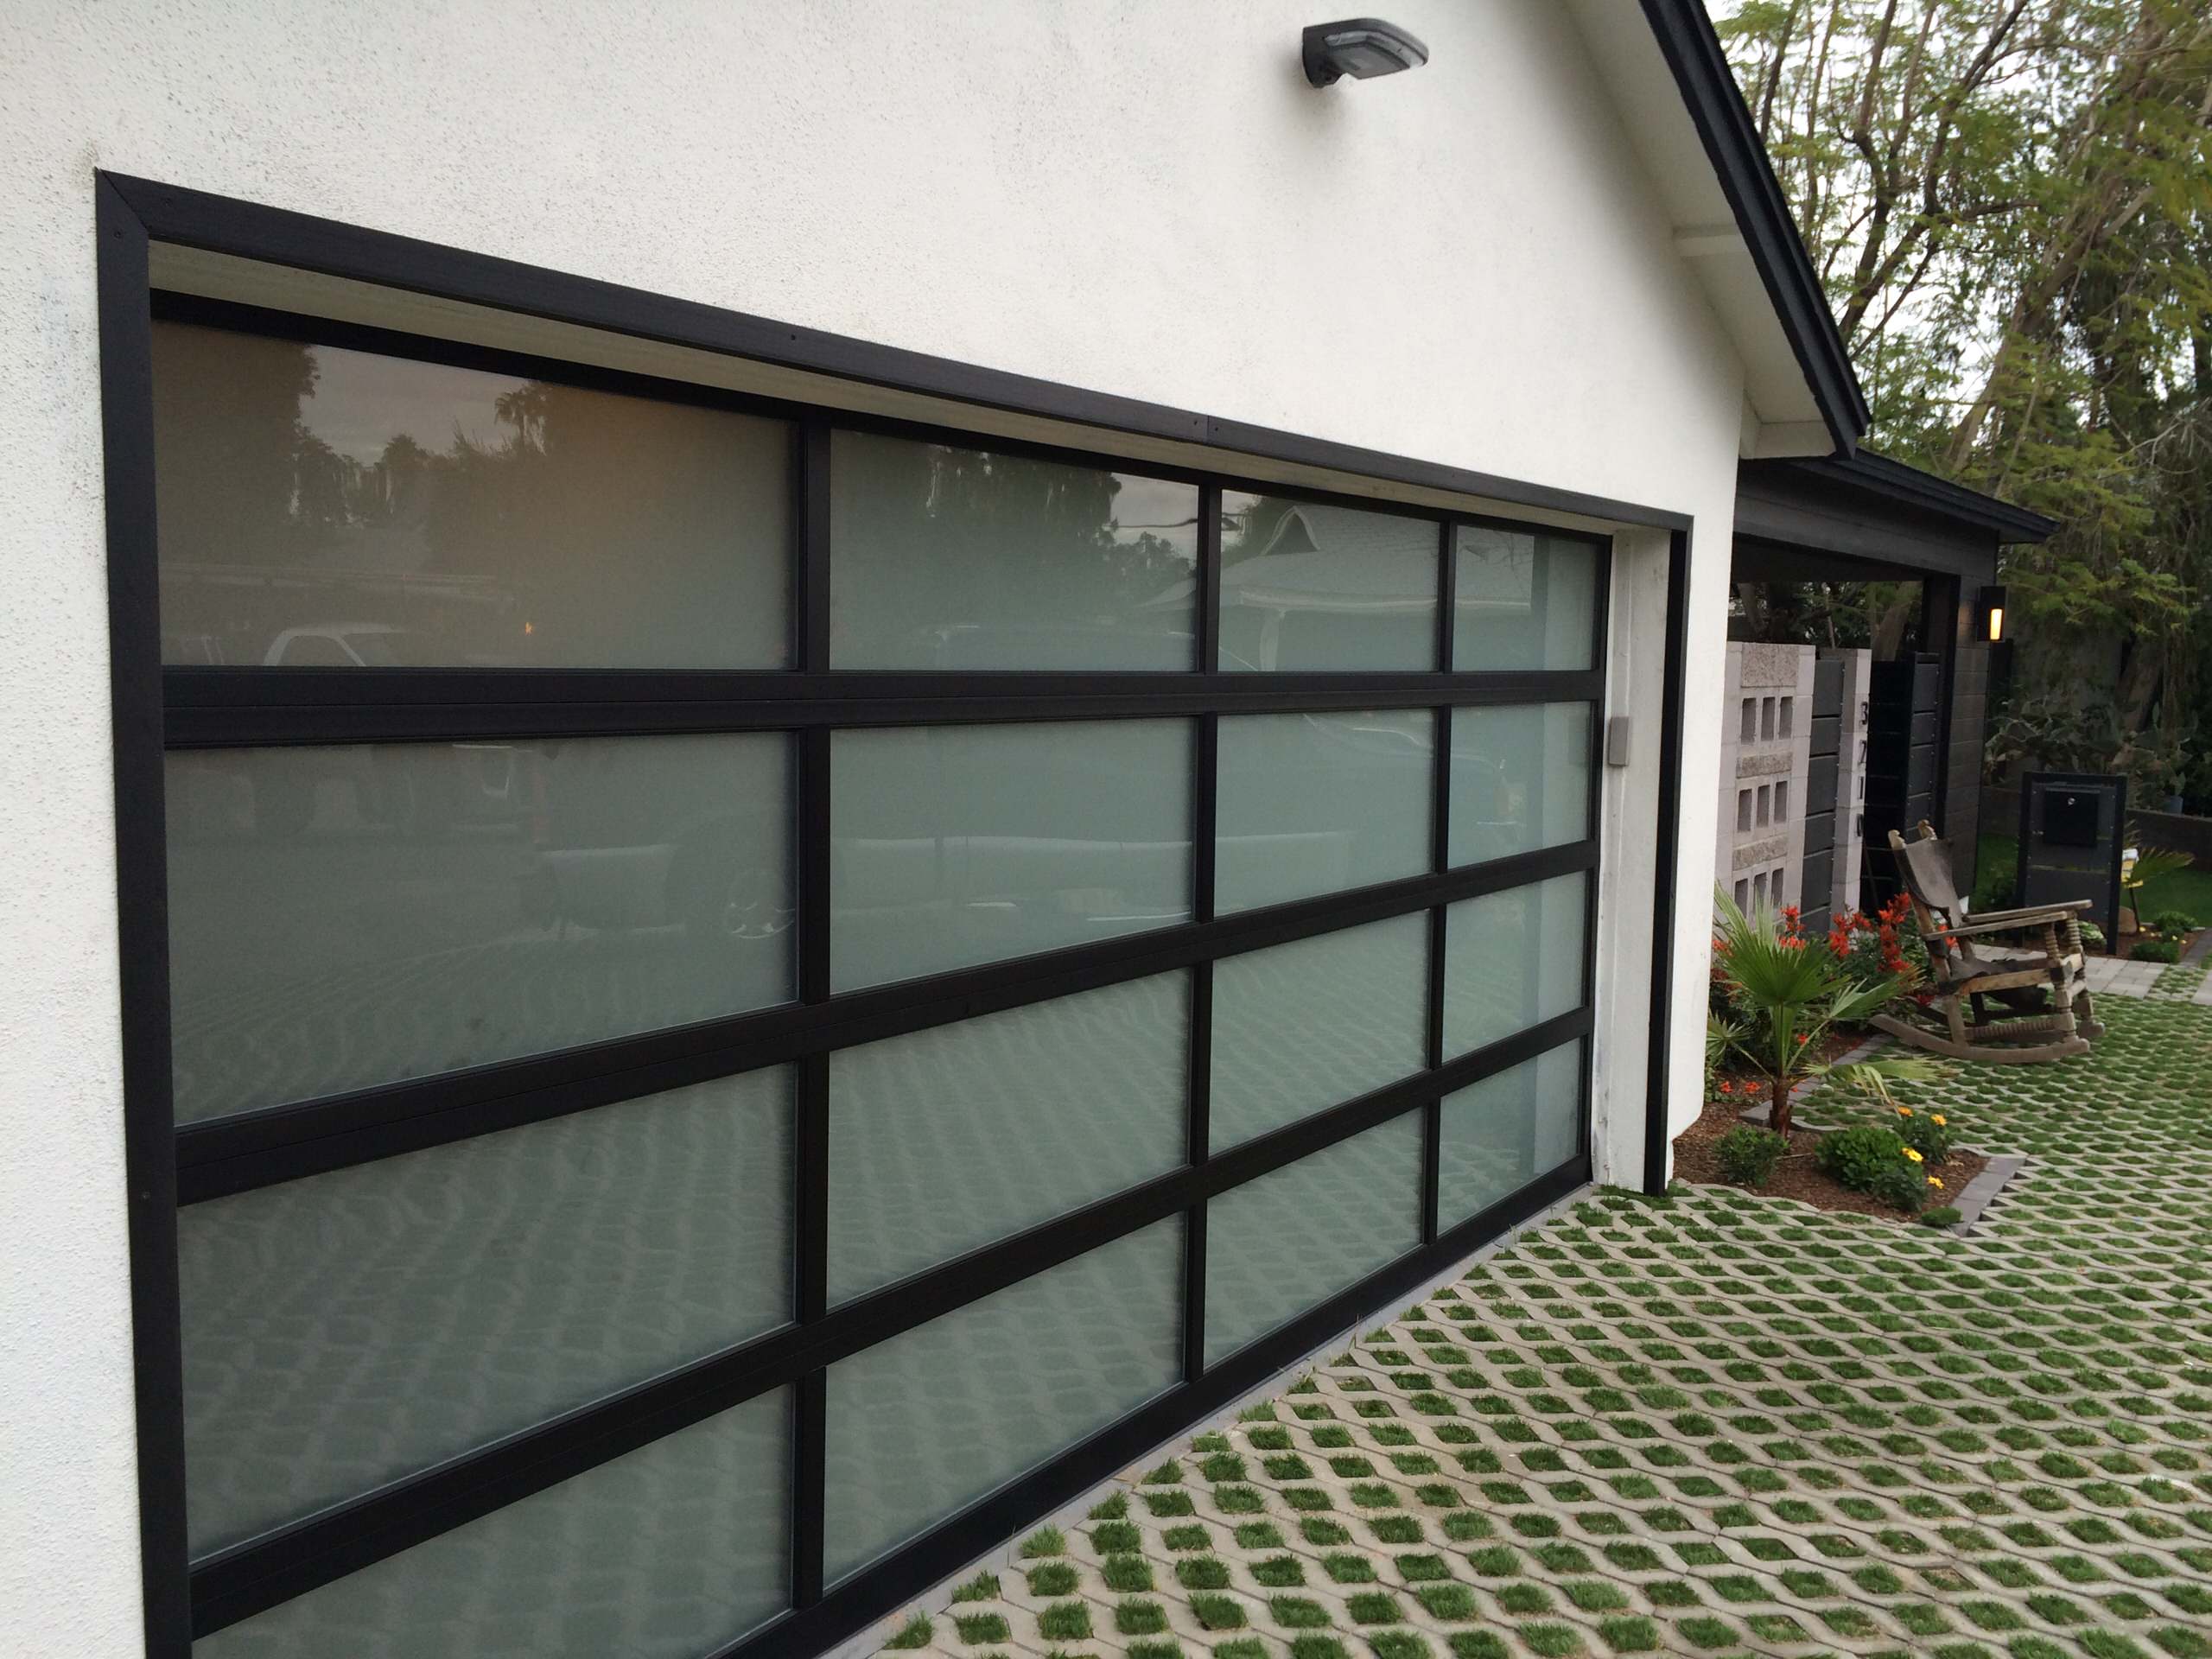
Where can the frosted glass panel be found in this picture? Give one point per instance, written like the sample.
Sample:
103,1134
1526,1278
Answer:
1520,779
1291,1240
665,1552
342,1330
1511,959
1522,601
343,917
960,844
1306,586
326,508
1500,1134
949,1138
945,557
930,1421
1311,803
1306,1025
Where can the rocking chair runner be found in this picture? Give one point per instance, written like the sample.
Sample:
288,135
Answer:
2044,1012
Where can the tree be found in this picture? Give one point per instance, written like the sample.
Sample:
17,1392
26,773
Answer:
2011,204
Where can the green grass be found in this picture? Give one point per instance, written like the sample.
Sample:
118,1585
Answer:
1064,1621
1219,1612
1140,1618
914,1633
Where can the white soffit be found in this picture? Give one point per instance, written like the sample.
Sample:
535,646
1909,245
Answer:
1628,59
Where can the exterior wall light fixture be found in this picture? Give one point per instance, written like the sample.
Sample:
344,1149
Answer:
1361,48
1992,614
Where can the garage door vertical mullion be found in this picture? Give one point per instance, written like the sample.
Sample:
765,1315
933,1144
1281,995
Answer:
811,606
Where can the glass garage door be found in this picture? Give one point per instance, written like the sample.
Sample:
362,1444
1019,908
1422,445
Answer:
756,997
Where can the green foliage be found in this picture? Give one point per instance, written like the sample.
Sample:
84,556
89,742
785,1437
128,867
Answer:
1786,992
1853,1155
1948,1214
1927,1132
1747,1155
1883,949
2152,864
2174,921
2155,950
1869,1158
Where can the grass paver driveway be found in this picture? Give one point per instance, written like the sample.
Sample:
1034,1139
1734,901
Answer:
1717,1424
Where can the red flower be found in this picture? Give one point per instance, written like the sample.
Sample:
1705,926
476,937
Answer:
1726,1087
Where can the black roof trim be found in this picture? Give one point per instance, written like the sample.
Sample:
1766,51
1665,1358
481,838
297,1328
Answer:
1732,143
1922,492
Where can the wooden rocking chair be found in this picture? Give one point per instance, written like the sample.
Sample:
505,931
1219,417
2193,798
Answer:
2043,1011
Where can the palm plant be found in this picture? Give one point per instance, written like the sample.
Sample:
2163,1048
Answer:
1785,994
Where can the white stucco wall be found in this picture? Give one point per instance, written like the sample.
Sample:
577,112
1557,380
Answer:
1465,264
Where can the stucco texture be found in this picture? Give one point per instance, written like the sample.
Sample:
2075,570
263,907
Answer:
1464,263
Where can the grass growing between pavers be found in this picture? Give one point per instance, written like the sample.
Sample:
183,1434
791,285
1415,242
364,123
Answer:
1714,1424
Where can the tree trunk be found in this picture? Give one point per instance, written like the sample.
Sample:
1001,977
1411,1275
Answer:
1778,1117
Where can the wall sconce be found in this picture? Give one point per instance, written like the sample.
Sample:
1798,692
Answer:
1361,48
1990,615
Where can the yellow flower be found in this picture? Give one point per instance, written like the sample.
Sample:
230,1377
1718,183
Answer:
1905,1111
1911,1153
1935,1180
1938,1119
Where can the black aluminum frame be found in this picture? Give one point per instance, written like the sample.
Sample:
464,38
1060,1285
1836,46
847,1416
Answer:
155,709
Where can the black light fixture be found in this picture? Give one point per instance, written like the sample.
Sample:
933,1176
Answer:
1361,48
1990,615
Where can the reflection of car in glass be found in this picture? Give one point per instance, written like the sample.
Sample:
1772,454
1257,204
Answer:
626,840
1016,645
1299,776
341,645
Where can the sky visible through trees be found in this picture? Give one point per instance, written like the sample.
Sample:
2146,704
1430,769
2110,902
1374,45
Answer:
2010,202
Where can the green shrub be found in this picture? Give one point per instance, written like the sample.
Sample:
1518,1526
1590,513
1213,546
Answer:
1872,1159
2156,950
1747,1155
1853,1155
1928,1134
1948,1214
2093,936
2173,923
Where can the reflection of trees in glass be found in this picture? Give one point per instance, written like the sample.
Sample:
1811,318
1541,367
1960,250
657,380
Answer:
455,506
227,432
936,536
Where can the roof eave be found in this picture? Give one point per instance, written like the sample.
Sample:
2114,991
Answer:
1693,55
1894,480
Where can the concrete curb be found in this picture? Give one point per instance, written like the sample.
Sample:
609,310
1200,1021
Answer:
1985,1189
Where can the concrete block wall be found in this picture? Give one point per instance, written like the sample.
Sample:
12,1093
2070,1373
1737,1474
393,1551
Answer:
1850,778
1765,737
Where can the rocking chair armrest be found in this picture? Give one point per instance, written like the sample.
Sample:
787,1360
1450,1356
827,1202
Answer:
2057,911
2013,922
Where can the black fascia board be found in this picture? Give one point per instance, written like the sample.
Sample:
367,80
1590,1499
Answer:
1894,481
1739,160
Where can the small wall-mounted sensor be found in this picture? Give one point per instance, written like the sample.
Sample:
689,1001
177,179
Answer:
1617,740
1361,48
